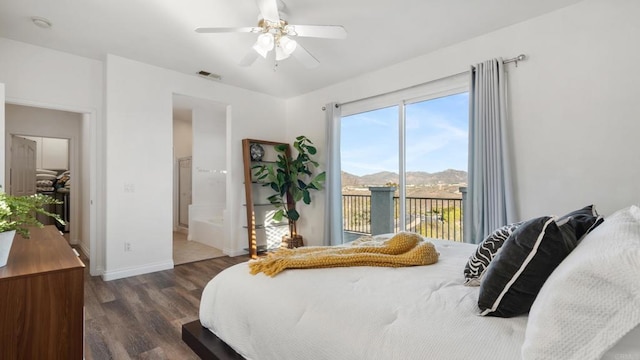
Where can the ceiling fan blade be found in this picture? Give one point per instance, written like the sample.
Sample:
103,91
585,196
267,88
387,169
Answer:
269,10
318,31
249,58
305,57
228,29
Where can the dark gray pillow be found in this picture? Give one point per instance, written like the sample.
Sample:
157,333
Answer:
527,258
525,261
486,251
583,221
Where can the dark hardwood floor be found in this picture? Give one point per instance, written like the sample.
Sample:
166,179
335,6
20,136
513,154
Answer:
141,317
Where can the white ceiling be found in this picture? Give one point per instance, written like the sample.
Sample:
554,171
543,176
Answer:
160,32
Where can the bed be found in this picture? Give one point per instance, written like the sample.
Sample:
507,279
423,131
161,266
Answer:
426,312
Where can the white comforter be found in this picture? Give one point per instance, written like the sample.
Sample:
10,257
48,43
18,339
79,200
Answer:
359,313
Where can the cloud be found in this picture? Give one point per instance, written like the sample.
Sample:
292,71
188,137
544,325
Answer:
437,137
377,118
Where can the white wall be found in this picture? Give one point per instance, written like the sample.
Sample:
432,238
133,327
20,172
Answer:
39,122
209,172
209,154
182,138
40,77
138,144
35,74
574,108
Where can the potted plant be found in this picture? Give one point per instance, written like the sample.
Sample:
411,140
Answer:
292,179
17,214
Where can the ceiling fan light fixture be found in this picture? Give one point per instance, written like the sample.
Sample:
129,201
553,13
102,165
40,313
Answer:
274,31
288,45
264,44
289,30
280,54
260,50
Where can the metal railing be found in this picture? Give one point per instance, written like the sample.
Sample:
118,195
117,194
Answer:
439,218
356,213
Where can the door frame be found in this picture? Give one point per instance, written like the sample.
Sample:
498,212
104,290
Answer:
93,193
179,226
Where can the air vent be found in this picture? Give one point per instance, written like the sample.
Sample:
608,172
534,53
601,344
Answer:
209,75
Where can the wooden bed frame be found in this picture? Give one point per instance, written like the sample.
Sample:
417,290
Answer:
205,344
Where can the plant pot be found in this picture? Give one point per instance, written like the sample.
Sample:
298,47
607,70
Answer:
292,242
6,240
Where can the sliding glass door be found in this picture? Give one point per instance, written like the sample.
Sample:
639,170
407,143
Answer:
404,167
437,142
369,157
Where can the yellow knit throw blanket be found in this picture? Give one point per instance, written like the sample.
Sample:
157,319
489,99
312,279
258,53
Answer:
403,249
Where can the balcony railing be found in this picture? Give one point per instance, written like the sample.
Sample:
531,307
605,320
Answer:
432,217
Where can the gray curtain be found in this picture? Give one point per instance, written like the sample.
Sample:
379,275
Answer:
333,184
490,202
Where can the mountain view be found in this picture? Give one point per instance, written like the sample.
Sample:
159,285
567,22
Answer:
443,184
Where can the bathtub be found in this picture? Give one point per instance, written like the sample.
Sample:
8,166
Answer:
206,225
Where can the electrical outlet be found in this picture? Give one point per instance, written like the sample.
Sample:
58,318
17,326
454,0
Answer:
129,188
127,246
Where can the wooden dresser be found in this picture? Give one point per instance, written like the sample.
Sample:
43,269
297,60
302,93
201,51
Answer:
42,299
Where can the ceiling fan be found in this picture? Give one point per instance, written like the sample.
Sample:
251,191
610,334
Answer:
276,33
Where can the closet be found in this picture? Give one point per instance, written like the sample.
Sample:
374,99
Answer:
53,177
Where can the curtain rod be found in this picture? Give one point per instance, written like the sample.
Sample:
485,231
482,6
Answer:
520,57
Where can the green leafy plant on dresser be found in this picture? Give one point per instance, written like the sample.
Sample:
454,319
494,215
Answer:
18,214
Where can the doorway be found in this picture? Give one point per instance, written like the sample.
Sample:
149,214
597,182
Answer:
199,157
40,165
56,135
184,191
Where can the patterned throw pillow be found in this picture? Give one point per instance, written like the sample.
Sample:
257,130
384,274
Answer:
486,251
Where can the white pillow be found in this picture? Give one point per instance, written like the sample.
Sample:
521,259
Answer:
592,299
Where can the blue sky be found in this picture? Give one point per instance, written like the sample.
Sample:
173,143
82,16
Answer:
436,135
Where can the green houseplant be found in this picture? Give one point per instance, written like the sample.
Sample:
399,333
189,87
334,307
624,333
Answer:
17,214
293,179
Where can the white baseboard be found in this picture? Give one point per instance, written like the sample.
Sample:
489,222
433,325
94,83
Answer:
99,272
84,249
234,253
109,275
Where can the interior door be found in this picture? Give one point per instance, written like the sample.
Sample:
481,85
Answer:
184,188
23,166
